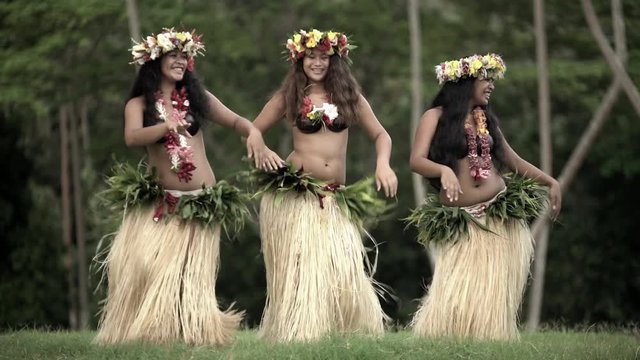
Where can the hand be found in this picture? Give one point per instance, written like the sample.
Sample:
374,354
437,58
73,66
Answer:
271,160
177,127
450,184
387,180
555,198
256,147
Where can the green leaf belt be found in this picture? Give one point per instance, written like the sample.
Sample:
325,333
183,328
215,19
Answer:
524,200
130,186
359,201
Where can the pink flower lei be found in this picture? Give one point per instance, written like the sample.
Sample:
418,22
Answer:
179,151
480,166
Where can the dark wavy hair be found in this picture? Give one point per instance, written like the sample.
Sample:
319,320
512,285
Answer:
449,143
147,83
339,84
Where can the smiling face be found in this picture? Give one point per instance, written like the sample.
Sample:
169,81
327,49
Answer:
482,90
173,65
315,64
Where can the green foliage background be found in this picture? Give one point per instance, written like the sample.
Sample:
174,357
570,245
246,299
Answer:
61,52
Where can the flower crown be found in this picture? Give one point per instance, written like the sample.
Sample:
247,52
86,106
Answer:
330,42
488,66
168,40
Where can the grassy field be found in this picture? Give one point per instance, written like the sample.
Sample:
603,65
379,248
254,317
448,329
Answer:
400,345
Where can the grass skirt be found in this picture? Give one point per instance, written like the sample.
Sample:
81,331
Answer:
161,279
315,264
478,282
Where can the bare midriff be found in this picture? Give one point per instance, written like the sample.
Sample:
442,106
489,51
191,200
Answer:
202,175
474,191
321,154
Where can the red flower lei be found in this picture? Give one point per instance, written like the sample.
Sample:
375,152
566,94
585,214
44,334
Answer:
179,151
480,166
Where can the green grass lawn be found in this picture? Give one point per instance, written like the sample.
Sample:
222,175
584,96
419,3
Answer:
29,344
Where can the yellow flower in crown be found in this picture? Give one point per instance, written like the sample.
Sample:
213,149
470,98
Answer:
452,69
329,42
476,65
489,66
333,37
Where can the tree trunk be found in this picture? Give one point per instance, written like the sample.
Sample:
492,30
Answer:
134,23
134,20
546,151
599,117
66,217
615,63
78,205
417,105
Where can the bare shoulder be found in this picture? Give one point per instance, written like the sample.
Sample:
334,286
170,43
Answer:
432,115
362,101
136,103
277,100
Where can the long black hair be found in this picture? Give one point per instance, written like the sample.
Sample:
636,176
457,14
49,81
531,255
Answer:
147,83
449,143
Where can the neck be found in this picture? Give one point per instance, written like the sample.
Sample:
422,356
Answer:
167,87
316,88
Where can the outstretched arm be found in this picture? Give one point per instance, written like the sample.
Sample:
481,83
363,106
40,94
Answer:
521,166
256,149
271,113
419,161
385,176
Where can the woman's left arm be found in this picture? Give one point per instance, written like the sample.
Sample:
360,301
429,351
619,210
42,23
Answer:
243,127
523,167
385,176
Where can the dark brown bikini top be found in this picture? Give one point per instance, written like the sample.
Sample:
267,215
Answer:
309,127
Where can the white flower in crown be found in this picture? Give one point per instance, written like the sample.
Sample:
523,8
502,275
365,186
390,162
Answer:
330,110
164,42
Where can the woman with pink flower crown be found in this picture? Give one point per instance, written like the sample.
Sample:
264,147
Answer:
477,224
319,278
162,264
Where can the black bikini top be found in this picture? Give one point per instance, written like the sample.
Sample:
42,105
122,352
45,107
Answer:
309,127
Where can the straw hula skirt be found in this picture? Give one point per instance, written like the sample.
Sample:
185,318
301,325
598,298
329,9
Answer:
317,281
162,275
482,259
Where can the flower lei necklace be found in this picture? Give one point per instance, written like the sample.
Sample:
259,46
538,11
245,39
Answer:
480,166
326,113
180,153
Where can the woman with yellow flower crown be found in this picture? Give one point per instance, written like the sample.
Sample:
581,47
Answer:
311,224
162,264
477,224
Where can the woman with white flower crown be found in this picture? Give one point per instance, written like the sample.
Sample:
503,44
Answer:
162,264
477,226
311,224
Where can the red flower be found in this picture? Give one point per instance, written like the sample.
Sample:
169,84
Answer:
190,64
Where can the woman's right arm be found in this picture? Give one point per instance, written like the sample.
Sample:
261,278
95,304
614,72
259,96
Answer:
135,134
422,165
